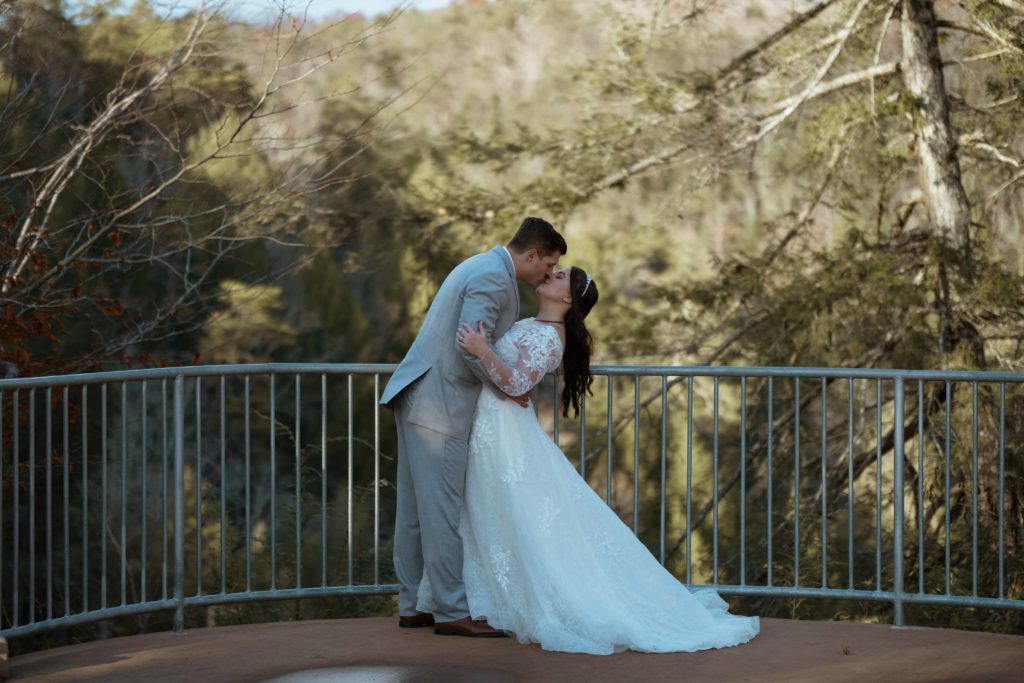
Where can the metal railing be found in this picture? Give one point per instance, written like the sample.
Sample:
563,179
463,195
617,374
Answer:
134,449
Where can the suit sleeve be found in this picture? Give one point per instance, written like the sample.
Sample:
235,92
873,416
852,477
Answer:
486,294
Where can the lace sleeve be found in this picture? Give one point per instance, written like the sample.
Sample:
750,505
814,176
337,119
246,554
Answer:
540,351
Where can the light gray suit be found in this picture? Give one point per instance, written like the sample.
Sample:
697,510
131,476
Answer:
434,393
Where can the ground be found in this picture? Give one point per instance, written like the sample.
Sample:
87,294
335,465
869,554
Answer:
375,650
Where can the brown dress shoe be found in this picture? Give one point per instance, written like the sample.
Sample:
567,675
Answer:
418,620
469,628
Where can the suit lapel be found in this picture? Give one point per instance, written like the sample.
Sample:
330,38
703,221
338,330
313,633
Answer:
511,268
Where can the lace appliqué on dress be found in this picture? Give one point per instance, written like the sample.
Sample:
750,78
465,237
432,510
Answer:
548,512
526,353
514,471
482,433
501,561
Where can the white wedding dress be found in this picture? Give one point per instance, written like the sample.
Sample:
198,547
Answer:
545,558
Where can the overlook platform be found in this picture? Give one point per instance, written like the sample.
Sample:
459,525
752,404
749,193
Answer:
374,650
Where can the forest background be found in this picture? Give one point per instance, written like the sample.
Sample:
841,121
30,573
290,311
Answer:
785,183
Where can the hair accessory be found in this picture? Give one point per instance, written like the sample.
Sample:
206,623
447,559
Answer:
586,286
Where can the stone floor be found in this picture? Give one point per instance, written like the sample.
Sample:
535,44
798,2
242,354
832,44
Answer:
376,651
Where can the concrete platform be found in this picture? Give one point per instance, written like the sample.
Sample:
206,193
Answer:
375,650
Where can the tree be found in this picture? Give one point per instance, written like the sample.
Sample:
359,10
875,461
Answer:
142,160
948,208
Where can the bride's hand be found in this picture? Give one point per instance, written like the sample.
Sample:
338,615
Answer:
474,341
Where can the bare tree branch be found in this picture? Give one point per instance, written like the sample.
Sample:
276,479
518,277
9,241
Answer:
117,201
1005,186
1014,5
986,29
72,160
832,86
785,31
977,140
894,4
794,102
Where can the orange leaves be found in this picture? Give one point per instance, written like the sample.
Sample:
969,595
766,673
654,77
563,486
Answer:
55,399
111,307
34,330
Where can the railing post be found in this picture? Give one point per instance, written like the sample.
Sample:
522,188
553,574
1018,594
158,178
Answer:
897,502
179,504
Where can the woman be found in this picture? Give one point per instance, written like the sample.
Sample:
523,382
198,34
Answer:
545,558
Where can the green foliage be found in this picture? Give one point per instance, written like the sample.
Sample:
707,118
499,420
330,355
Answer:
247,327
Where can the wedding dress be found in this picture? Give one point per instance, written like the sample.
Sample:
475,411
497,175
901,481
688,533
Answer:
545,558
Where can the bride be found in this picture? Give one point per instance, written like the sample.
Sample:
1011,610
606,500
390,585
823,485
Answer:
544,558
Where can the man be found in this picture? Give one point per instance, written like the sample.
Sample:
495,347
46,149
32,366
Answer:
433,394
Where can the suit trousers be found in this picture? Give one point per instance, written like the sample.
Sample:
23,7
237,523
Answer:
431,484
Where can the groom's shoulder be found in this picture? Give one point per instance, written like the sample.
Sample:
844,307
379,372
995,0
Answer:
485,261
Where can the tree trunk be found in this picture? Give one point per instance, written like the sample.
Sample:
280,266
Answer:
948,208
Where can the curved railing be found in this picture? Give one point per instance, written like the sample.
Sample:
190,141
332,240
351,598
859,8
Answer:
144,490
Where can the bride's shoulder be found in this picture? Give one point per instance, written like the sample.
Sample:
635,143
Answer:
530,326
549,333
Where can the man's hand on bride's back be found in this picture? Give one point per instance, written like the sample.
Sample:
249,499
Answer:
523,400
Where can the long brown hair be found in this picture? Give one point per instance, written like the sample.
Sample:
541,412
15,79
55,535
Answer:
579,345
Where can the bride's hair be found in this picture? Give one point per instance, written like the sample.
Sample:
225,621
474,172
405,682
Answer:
578,343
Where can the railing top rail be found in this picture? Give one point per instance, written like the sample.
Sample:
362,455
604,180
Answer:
197,371
617,370
813,372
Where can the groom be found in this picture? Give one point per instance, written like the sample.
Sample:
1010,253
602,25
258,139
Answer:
433,394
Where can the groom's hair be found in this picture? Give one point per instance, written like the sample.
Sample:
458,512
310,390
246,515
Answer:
537,233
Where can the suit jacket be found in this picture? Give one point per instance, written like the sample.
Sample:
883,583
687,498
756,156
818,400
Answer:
481,288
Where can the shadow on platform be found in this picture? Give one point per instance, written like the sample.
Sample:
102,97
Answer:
375,650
